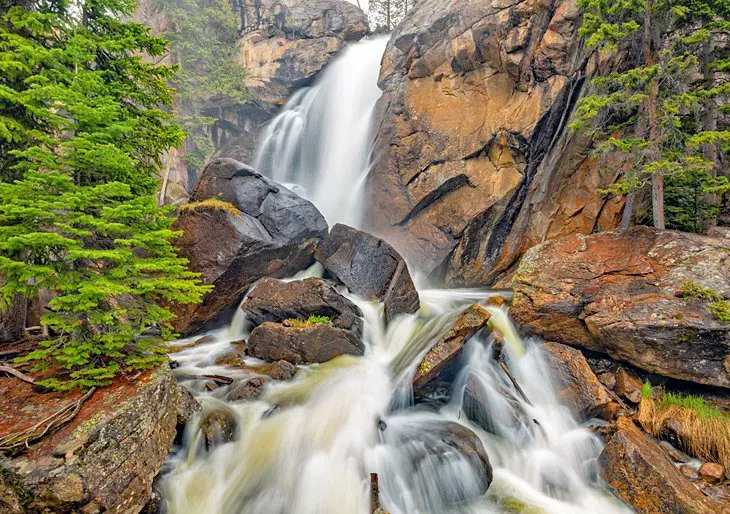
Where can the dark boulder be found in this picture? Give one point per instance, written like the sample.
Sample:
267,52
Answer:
429,452
219,427
274,234
302,321
279,301
319,342
245,390
370,268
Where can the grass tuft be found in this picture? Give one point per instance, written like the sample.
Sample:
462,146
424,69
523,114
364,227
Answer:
719,307
702,430
312,321
211,204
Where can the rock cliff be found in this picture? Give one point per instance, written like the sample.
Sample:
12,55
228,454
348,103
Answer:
475,162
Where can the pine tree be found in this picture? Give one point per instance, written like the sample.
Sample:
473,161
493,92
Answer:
648,115
82,127
384,15
202,37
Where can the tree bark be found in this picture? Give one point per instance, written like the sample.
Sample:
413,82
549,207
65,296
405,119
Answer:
657,180
628,212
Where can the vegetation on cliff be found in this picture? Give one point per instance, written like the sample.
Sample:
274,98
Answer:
202,36
82,129
659,118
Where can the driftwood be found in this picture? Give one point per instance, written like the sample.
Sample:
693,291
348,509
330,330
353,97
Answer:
18,441
374,493
14,372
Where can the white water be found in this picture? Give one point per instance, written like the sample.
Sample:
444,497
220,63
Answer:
308,446
319,144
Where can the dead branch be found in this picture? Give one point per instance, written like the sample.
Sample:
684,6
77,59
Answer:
14,372
18,441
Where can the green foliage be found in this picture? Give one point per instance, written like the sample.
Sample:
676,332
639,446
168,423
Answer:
703,409
384,15
84,126
312,321
646,390
78,98
202,37
657,119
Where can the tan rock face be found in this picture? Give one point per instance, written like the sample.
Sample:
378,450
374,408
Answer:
475,161
618,294
640,473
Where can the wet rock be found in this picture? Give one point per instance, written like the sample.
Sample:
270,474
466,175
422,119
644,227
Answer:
448,347
431,448
712,472
110,453
218,427
497,412
617,294
628,386
576,383
280,370
475,161
299,345
689,472
187,406
608,379
250,389
278,301
370,268
675,454
273,236
641,474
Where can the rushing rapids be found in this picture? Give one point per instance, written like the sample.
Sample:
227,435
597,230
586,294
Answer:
309,445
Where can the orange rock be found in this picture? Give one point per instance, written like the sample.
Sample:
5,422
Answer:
712,472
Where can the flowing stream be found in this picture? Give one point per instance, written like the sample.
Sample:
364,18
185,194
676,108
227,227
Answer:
308,446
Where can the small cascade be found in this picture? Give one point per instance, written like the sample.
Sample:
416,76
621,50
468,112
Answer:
308,446
320,144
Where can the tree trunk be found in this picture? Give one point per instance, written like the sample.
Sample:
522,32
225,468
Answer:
387,15
657,180
628,212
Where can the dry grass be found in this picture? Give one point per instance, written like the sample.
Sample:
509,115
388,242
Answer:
312,321
702,430
211,204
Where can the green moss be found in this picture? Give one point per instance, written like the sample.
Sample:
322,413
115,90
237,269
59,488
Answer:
424,367
86,426
703,409
721,310
312,321
719,307
694,291
12,481
688,336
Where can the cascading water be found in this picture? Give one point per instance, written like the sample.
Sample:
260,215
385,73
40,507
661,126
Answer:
320,144
308,446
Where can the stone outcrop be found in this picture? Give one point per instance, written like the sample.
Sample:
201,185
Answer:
448,347
370,268
106,459
622,295
476,162
273,235
302,321
640,473
576,383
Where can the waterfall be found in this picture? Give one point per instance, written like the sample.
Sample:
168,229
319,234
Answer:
319,145
308,446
